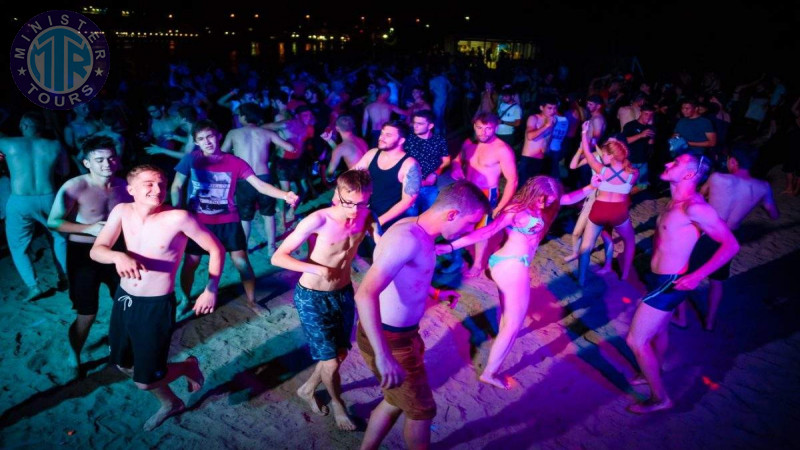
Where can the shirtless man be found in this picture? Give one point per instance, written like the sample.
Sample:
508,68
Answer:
252,144
677,230
324,294
351,149
33,163
80,210
296,131
79,128
733,196
538,133
187,117
143,314
378,113
212,179
396,176
486,159
391,301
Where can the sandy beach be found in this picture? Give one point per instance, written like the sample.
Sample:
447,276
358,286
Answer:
735,387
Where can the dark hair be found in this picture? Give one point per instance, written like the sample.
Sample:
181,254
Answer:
301,109
345,123
548,100
690,100
745,154
144,168
251,112
426,114
204,124
94,143
487,117
463,196
647,107
356,180
36,118
402,128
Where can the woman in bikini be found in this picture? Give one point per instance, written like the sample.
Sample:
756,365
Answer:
525,221
612,204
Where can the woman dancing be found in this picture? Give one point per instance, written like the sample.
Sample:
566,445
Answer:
610,208
525,220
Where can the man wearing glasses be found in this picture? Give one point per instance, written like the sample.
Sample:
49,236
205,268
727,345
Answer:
324,294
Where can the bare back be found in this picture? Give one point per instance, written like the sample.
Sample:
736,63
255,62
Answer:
379,114
402,303
252,144
734,197
482,162
334,245
32,162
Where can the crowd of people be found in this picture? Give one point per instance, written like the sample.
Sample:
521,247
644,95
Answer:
127,198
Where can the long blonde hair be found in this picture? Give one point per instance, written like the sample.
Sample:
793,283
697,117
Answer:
619,151
529,194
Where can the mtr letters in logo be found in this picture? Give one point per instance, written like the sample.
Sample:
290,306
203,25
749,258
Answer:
59,59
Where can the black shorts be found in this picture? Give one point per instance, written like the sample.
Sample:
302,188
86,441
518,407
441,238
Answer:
85,276
247,197
140,334
288,169
661,292
529,167
703,250
231,235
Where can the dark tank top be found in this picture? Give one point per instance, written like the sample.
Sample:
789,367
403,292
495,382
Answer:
386,190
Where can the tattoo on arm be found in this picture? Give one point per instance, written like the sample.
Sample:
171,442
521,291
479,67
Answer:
412,181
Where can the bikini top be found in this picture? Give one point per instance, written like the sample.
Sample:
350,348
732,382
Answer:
624,188
533,226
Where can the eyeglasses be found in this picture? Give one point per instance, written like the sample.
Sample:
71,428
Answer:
350,205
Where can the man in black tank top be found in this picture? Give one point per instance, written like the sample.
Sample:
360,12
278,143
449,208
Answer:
396,176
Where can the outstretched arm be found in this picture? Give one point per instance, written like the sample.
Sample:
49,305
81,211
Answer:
508,168
483,233
269,190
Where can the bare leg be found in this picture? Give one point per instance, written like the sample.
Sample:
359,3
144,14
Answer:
190,263
587,245
242,264
269,231
282,203
333,383
514,287
479,265
380,423
577,234
246,226
714,299
608,245
629,239
306,391
679,316
170,403
78,332
647,323
417,433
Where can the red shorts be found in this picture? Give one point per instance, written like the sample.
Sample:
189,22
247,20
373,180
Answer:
609,214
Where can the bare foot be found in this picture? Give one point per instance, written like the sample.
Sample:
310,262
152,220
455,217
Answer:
313,402
33,294
163,414
475,272
650,405
256,308
343,421
494,381
194,375
603,270
638,380
571,257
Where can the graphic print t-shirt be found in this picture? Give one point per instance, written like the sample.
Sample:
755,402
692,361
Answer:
212,184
